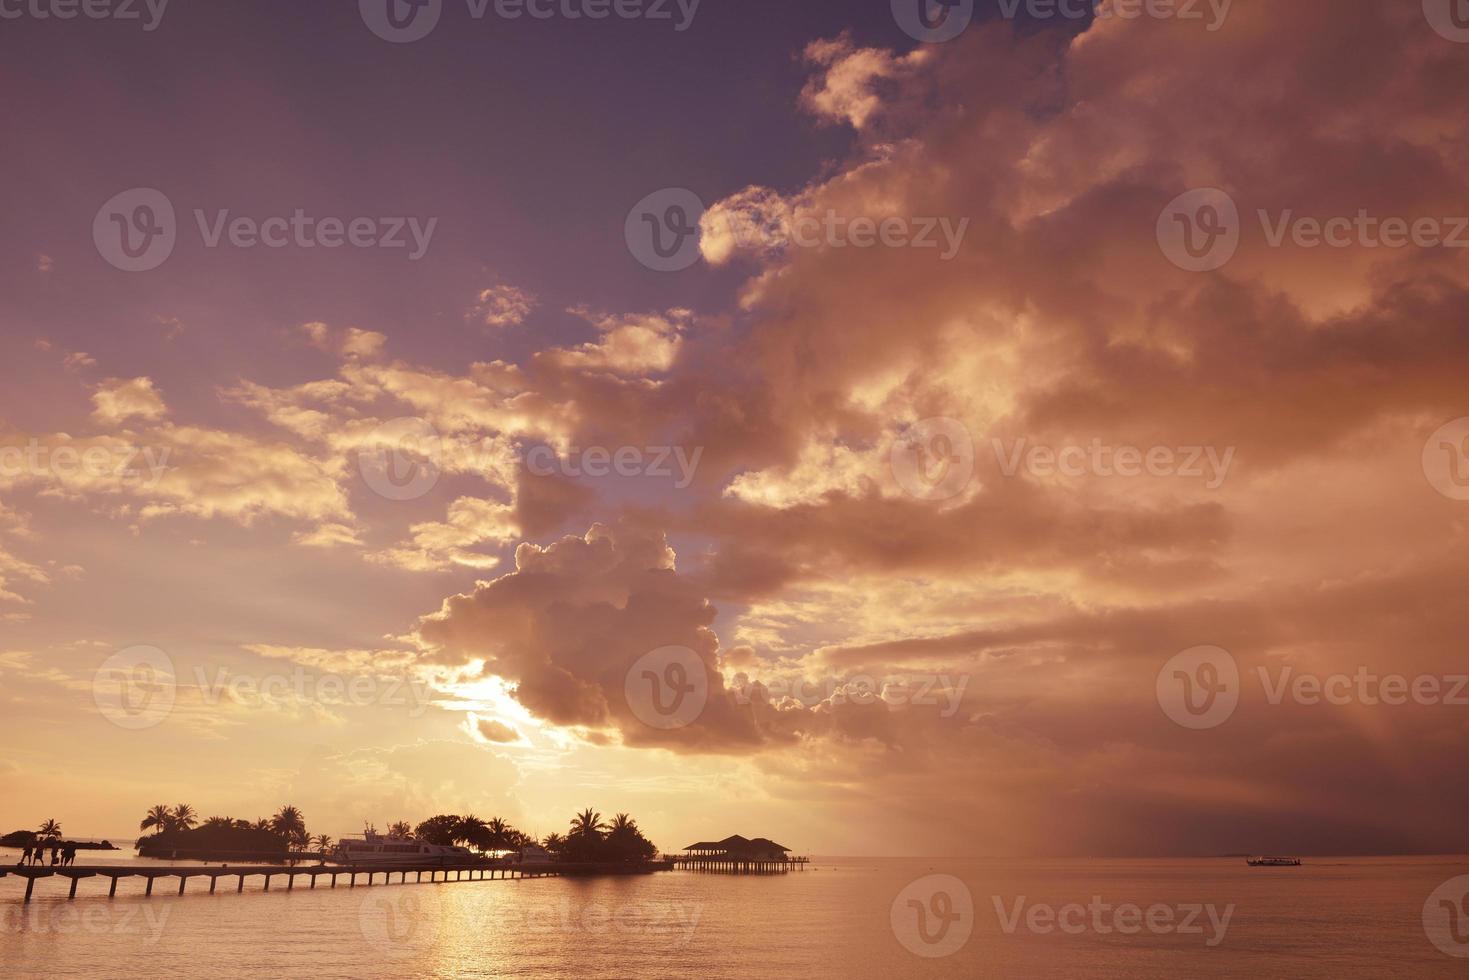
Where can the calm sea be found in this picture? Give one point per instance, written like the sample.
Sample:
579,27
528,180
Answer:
862,918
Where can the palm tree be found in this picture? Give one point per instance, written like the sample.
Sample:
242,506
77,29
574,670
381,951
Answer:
498,834
262,824
400,829
324,842
159,817
50,828
587,824
471,829
184,817
220,823
554,843
289,823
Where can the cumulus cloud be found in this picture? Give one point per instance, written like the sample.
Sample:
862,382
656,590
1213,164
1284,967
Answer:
493,730
501,306
846,87
630,343
118,400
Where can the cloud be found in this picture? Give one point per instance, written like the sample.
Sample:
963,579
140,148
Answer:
847,87
501,306
470,522
349,342
630,343
492,730
118,400
329,536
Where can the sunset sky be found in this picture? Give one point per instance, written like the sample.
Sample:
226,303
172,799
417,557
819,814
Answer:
838,460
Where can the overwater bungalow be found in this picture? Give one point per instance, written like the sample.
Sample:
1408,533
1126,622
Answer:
740,854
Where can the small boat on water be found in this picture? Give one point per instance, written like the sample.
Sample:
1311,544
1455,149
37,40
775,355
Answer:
1273,862
375,848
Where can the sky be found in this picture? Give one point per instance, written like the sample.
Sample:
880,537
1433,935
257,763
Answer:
886,430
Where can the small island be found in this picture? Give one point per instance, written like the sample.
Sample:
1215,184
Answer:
49,835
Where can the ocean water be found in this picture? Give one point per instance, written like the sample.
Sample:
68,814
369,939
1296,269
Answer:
858,918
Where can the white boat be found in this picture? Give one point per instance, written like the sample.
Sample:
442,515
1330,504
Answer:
1273,862
375,848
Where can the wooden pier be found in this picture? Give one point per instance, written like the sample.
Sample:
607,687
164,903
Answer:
352,876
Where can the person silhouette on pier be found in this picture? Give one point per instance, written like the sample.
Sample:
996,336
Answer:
68,855
25,857
55,854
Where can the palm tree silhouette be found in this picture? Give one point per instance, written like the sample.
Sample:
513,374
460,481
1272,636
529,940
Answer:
587,824
50,829
554,843
324,842
498,834
471,829
184,817
159,817
400,829
289,823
